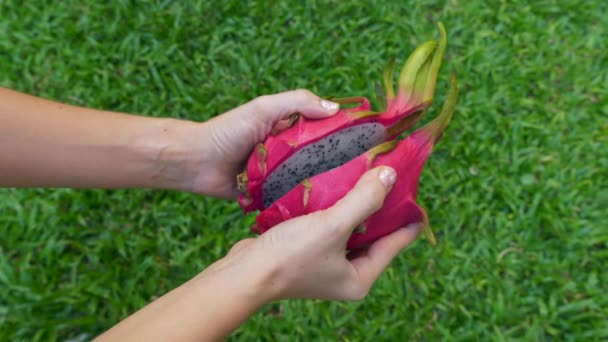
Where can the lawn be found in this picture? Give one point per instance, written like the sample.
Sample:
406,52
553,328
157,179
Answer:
516,191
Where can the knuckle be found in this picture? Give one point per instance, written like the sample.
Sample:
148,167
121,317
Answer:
327,218
260,102
304,95
331,224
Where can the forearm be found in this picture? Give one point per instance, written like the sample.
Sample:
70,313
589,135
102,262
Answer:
207,308
49,144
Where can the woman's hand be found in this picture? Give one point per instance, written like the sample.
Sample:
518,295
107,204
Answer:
49,144
301,258
228,139
306,257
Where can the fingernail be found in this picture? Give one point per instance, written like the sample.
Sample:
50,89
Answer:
388,176
330,106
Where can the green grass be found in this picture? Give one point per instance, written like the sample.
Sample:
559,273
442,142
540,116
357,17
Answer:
516,191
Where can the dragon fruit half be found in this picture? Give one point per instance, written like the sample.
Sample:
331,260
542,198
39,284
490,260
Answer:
407,157
313,163
309,147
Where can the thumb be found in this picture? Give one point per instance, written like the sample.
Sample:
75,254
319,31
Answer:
363,200
272,108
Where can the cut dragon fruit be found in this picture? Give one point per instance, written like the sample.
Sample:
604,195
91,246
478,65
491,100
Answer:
311,164
407,157
310,147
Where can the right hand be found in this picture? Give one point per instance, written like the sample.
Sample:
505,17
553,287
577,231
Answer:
225,142
306,257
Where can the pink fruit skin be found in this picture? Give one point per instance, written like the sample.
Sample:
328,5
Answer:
414,95
307,131
399,209
416,86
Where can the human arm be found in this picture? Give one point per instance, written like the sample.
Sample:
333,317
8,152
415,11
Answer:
301,258
50,144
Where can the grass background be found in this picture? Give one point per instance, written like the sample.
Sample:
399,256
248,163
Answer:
516,191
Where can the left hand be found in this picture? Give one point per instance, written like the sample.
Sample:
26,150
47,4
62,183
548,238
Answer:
231,137
301,258
306,257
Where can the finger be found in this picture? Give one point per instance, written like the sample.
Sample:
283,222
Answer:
363,200
272,108
369,265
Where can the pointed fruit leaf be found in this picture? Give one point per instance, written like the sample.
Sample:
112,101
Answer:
363,114
420,84
381,149
241,182
436,127
293,118
431,77
419,75
415,62
405,123
426,228
262,152
307,187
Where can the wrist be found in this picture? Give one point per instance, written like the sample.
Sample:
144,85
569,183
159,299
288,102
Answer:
170,146
252,280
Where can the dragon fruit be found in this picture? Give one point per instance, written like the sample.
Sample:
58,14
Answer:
407,157
310,147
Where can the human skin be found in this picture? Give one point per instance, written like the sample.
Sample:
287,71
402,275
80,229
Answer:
301,258
48,144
